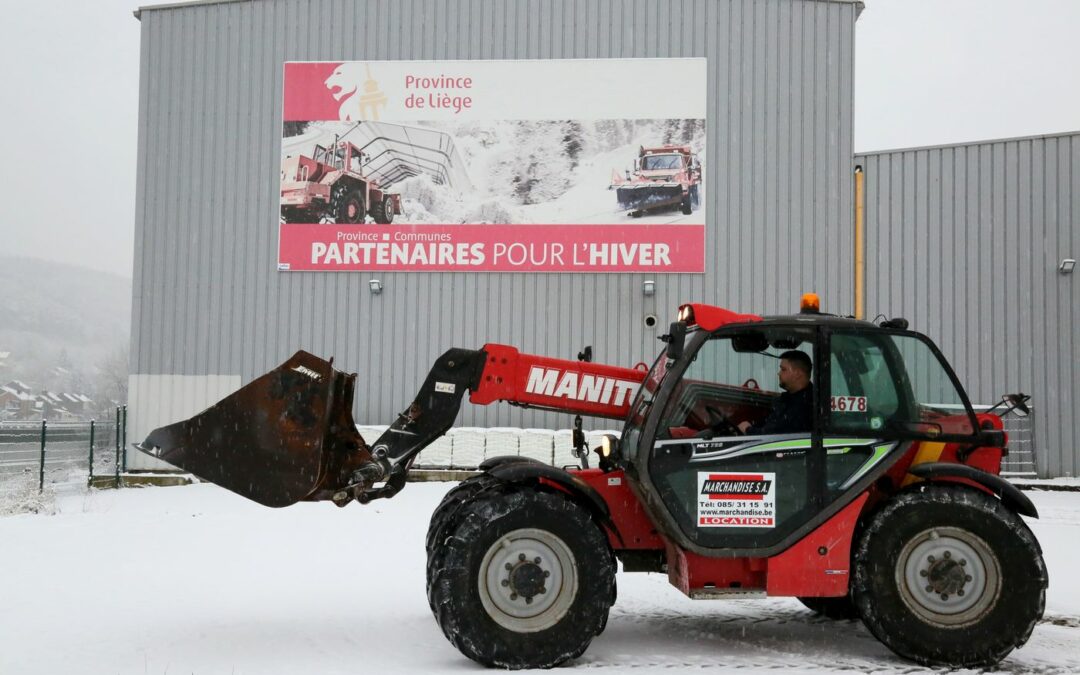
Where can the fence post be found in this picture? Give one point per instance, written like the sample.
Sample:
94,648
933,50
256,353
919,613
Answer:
123,441
41,468
91,481
116,466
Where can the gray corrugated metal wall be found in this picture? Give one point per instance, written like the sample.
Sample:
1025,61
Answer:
965,242
208,299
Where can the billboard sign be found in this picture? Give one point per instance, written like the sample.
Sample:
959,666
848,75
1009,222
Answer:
592,165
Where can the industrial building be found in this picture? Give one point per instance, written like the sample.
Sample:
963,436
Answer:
966,241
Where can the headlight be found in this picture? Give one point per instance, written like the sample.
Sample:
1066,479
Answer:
607,446
686,314
609,452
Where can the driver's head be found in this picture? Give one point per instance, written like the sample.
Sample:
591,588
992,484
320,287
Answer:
795,369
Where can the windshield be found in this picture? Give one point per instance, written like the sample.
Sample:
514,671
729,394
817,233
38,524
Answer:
640,408
661,162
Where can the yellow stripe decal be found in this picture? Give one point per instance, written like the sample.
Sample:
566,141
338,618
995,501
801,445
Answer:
927,452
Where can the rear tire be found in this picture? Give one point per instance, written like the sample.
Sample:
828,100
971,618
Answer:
383,211
687,207
520,578
948,576
840,609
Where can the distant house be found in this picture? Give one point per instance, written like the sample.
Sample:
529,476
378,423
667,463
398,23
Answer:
19,386
65,406
19,402
16,404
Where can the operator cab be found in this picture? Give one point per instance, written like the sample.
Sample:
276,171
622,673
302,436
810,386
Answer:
744,461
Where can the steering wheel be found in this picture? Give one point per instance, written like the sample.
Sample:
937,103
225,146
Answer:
719,424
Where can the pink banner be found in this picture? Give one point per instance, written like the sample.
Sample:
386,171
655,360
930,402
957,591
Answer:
492,248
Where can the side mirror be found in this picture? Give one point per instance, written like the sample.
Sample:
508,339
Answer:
1018,403
675,339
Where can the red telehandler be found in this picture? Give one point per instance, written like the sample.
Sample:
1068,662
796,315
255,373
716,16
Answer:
887,507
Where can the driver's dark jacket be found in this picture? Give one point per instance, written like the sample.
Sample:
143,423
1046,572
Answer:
791,414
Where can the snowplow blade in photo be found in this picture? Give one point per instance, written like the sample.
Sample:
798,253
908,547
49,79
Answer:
284,437
642,196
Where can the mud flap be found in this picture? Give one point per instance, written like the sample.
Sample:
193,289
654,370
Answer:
285,437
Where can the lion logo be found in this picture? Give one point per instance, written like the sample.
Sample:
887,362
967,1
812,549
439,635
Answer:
345,84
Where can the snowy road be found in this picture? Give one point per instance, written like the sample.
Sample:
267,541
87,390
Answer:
197,580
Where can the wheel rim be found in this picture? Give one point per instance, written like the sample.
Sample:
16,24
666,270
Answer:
352,210
528,580
948,577
388,210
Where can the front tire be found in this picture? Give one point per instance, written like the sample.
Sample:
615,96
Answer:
521,578
348,206
948,576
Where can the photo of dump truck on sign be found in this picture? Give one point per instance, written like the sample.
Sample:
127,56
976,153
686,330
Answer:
662,177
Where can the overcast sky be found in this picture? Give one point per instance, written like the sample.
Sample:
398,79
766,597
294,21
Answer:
927,72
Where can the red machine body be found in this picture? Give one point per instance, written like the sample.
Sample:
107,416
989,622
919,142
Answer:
576,387
331,184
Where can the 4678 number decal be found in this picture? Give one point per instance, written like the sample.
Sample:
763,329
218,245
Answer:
848,404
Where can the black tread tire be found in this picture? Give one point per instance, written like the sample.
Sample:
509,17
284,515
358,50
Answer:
454,567
452,501
840,609
1008,621
383,212
444,519
339,206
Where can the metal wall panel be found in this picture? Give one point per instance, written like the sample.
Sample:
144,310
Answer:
965,241
209,301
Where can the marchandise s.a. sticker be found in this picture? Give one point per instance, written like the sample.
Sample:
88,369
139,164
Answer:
736,499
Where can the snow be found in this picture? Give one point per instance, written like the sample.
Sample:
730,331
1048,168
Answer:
522,172
197,580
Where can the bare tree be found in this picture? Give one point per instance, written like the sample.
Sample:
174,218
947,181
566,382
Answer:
112,379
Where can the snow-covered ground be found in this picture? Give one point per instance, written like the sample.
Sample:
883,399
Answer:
197,580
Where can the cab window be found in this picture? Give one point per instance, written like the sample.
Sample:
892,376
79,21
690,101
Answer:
892,385
733,383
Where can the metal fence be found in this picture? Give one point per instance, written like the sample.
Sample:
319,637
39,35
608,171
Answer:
58,452
1020,462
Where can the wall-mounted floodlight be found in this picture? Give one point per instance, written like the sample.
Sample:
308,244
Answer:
649,287
375,285
1067,265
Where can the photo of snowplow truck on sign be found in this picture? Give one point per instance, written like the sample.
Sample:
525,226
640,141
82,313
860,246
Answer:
662,178
330,186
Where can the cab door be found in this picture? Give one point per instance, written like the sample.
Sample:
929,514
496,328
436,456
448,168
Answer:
722,487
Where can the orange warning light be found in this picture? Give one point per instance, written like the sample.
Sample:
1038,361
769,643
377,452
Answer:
810,303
